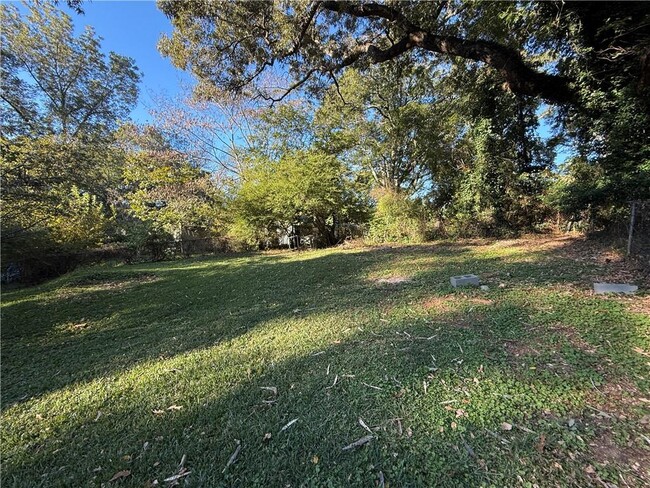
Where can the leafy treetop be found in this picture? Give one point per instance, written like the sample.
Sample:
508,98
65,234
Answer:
54,83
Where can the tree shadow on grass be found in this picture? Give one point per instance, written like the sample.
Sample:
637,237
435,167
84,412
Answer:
378,343
86,333
446,433
50,344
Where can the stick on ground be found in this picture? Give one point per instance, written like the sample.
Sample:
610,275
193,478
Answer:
359,443
233,457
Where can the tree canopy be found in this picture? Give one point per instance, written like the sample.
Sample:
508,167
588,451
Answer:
237,45
56,83
396,121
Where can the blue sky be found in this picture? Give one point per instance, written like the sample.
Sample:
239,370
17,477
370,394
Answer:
132,28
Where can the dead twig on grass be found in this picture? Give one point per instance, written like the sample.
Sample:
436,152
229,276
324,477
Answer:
363,424
359,442
233,456
289,424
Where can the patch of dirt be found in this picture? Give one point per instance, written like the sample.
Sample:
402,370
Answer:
618,397
109,283
354,244
619,401
393,280
635,460
637,304
439,304
519,349
553,362
448,303
464,321
613,266
573,337
601,251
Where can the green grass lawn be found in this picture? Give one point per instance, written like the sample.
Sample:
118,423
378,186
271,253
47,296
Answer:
135,369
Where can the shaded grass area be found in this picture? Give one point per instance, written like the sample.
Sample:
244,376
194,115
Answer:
133,368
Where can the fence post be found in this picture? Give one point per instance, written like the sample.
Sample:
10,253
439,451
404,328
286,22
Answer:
629,237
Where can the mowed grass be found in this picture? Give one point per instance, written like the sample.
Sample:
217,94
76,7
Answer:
133,370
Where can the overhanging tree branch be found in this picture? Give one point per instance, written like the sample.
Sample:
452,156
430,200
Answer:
519,77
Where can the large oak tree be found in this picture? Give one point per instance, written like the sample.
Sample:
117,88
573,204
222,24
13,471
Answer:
236,45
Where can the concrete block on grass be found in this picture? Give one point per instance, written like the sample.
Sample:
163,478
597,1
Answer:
464,280
602,288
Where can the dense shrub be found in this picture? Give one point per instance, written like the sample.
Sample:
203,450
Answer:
397,218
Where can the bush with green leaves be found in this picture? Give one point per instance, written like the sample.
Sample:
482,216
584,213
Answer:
306,189
49,204
397,218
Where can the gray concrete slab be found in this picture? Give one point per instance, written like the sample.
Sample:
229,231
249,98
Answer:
602,288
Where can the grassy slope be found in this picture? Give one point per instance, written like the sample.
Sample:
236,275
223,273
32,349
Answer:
93,361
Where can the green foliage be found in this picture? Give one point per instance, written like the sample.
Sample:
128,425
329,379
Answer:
56,83
233,45
61,99
145,240
580,186
166,190
423,120
82,223
588,197
386,122
498,165
397,218
607,57
50,199
310,188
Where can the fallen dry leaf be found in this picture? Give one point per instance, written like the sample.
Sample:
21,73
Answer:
233,456
541,443
175,407
120,475
363,424
506,426
183,472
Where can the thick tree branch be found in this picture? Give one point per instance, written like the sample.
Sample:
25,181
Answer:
311,13
519,77
375,54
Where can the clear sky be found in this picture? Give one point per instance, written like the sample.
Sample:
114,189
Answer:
132,28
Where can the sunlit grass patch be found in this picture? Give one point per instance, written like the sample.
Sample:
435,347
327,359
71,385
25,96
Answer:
455,387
